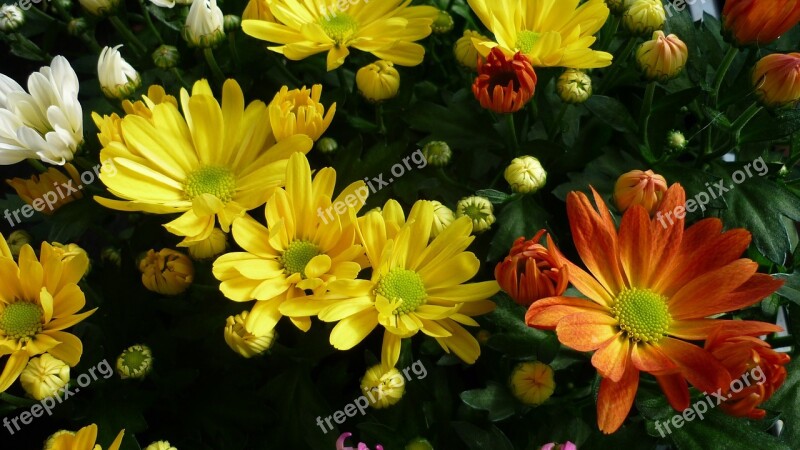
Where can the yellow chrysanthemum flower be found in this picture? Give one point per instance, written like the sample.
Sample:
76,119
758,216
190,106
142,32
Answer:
309,241
85,439
39,299
550,33
211,162
387,28
415,286
299,112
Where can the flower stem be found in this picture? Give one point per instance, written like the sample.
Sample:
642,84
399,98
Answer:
180,79
149,21
559,119
212,63
37,165
723,70
513,129
139,48
647,106
744,119
619,60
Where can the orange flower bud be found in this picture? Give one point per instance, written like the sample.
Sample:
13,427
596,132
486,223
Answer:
759,21
166,272
504,85
50,190
531,272
757,370
639,188
776,78
663,57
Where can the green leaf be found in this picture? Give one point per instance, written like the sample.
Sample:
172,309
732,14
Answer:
601,173
791,288
612,112
517,339
494,196
757,205
769,127
479,439
722,432
786,401
460,124
495,398
520,217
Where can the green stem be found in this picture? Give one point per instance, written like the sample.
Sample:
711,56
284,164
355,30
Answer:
619,61
513,129
234,53
379,119
183,82
744,119
559,119
208,53
139,48
647,106
149,21
608,36
37,165
453,182
721,72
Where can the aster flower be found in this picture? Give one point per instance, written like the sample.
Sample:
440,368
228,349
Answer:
642,287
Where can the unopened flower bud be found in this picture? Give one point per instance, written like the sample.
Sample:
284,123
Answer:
442,218
676,141
663,57
160,445
383,388
17,239
616,6
532,383
443,23
231,23
166,272
244,340
378,81
99,8
437,153
525,175
479,209
637,187
69,251
111,256
205,27
574,86
643,17
77,26
118,79
166,57
135,362
210,247
11,18
44,376
419,443
327,145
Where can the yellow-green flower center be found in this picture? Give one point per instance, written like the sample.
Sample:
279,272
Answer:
297,256
526,40
404,287
21,320
215,180
339,27
642,314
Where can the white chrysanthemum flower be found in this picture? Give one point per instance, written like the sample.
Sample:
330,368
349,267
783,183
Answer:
118,79
204,25
45,124
170,3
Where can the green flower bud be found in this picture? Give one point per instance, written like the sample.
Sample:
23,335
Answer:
166,57
443,23
327,145
437,153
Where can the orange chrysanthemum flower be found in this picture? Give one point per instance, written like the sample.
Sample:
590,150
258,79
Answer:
504,85
759,368
532,271
651,289
759,21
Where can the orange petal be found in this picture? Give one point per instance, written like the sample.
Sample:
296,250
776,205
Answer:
675,389
596,240
612,359
729,328
758,287
584,282
547,312
701,296
649,358
666,236
587,331
634,245
614,400
698,366
693,329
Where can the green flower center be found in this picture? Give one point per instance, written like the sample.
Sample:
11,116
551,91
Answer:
642,314
403,286
297,256
526,40
135,359
217,181
339,27
475,212
21,320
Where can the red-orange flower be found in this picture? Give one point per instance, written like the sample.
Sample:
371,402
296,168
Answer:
759,21
531,271
759,369
504,85
638,187
650,290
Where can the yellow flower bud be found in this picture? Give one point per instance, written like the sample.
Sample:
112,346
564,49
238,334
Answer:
465,51
378,81
299,111
776,79
437,153
532,383
212,246
381,387
574,86
243,341
663,57
99,8
135,362
479,209
44,376
643,17
41,186
167,272
442,218
525,175
67,252
160,445
637,187
18,239
419,444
